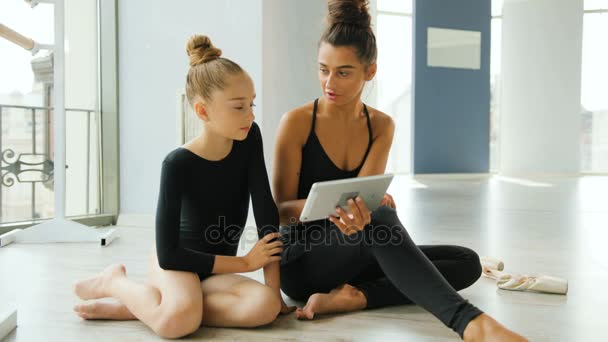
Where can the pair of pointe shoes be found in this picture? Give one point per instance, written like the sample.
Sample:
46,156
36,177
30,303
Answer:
493,268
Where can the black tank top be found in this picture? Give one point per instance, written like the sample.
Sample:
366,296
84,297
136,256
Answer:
316,164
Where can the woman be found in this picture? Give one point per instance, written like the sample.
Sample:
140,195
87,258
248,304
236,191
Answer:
202,209
357,259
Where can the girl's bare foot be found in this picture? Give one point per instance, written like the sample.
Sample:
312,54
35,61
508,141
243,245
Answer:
99,310
95,288
485,328
342,299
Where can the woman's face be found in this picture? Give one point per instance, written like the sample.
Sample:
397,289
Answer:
342,76
230,111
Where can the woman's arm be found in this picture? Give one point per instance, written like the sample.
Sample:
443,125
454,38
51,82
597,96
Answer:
375,164
291,136
289,211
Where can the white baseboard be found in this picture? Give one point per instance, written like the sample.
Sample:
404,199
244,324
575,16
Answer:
8,321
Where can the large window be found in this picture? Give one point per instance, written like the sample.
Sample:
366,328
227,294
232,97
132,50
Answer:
594,88
26,106
25,130
394,76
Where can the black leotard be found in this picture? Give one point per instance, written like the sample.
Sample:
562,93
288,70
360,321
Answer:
203,205
316,164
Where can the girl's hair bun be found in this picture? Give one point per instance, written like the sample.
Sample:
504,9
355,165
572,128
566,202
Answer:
200,50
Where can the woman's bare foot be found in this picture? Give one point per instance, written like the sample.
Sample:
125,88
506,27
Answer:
95,288
99,310
485,328
342,299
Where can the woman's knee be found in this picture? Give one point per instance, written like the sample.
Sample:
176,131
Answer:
385,215
293,283
386,229
472,265
298,294
176,321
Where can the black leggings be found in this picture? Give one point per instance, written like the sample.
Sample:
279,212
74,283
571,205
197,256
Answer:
383,262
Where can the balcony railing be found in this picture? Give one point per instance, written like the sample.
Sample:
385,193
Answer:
26,163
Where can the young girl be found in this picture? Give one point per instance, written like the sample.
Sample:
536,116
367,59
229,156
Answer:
202,209
359,259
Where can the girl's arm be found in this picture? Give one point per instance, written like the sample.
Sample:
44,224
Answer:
264,209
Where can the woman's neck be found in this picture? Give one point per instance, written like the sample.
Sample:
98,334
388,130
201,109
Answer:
210,145
347,111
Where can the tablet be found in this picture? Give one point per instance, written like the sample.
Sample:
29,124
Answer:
325,196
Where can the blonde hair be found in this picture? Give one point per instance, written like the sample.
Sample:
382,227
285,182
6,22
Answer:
208,70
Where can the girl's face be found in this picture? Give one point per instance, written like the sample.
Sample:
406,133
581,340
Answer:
230,111
341,74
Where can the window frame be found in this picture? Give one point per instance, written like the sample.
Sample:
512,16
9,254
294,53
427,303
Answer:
107,67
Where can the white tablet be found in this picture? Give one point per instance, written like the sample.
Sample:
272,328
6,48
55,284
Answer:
325,196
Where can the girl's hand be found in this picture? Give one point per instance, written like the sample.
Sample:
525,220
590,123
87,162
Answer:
388,201
355,221
262,252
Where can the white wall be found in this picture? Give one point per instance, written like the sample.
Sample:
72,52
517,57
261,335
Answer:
274,40
152,66
541,68
291,31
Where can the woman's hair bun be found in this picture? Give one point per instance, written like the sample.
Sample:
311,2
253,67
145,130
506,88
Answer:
200,50
352,12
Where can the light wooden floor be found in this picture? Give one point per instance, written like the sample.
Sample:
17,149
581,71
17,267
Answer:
557,226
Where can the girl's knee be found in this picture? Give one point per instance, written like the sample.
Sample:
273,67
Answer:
270,303
261,305
178,320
